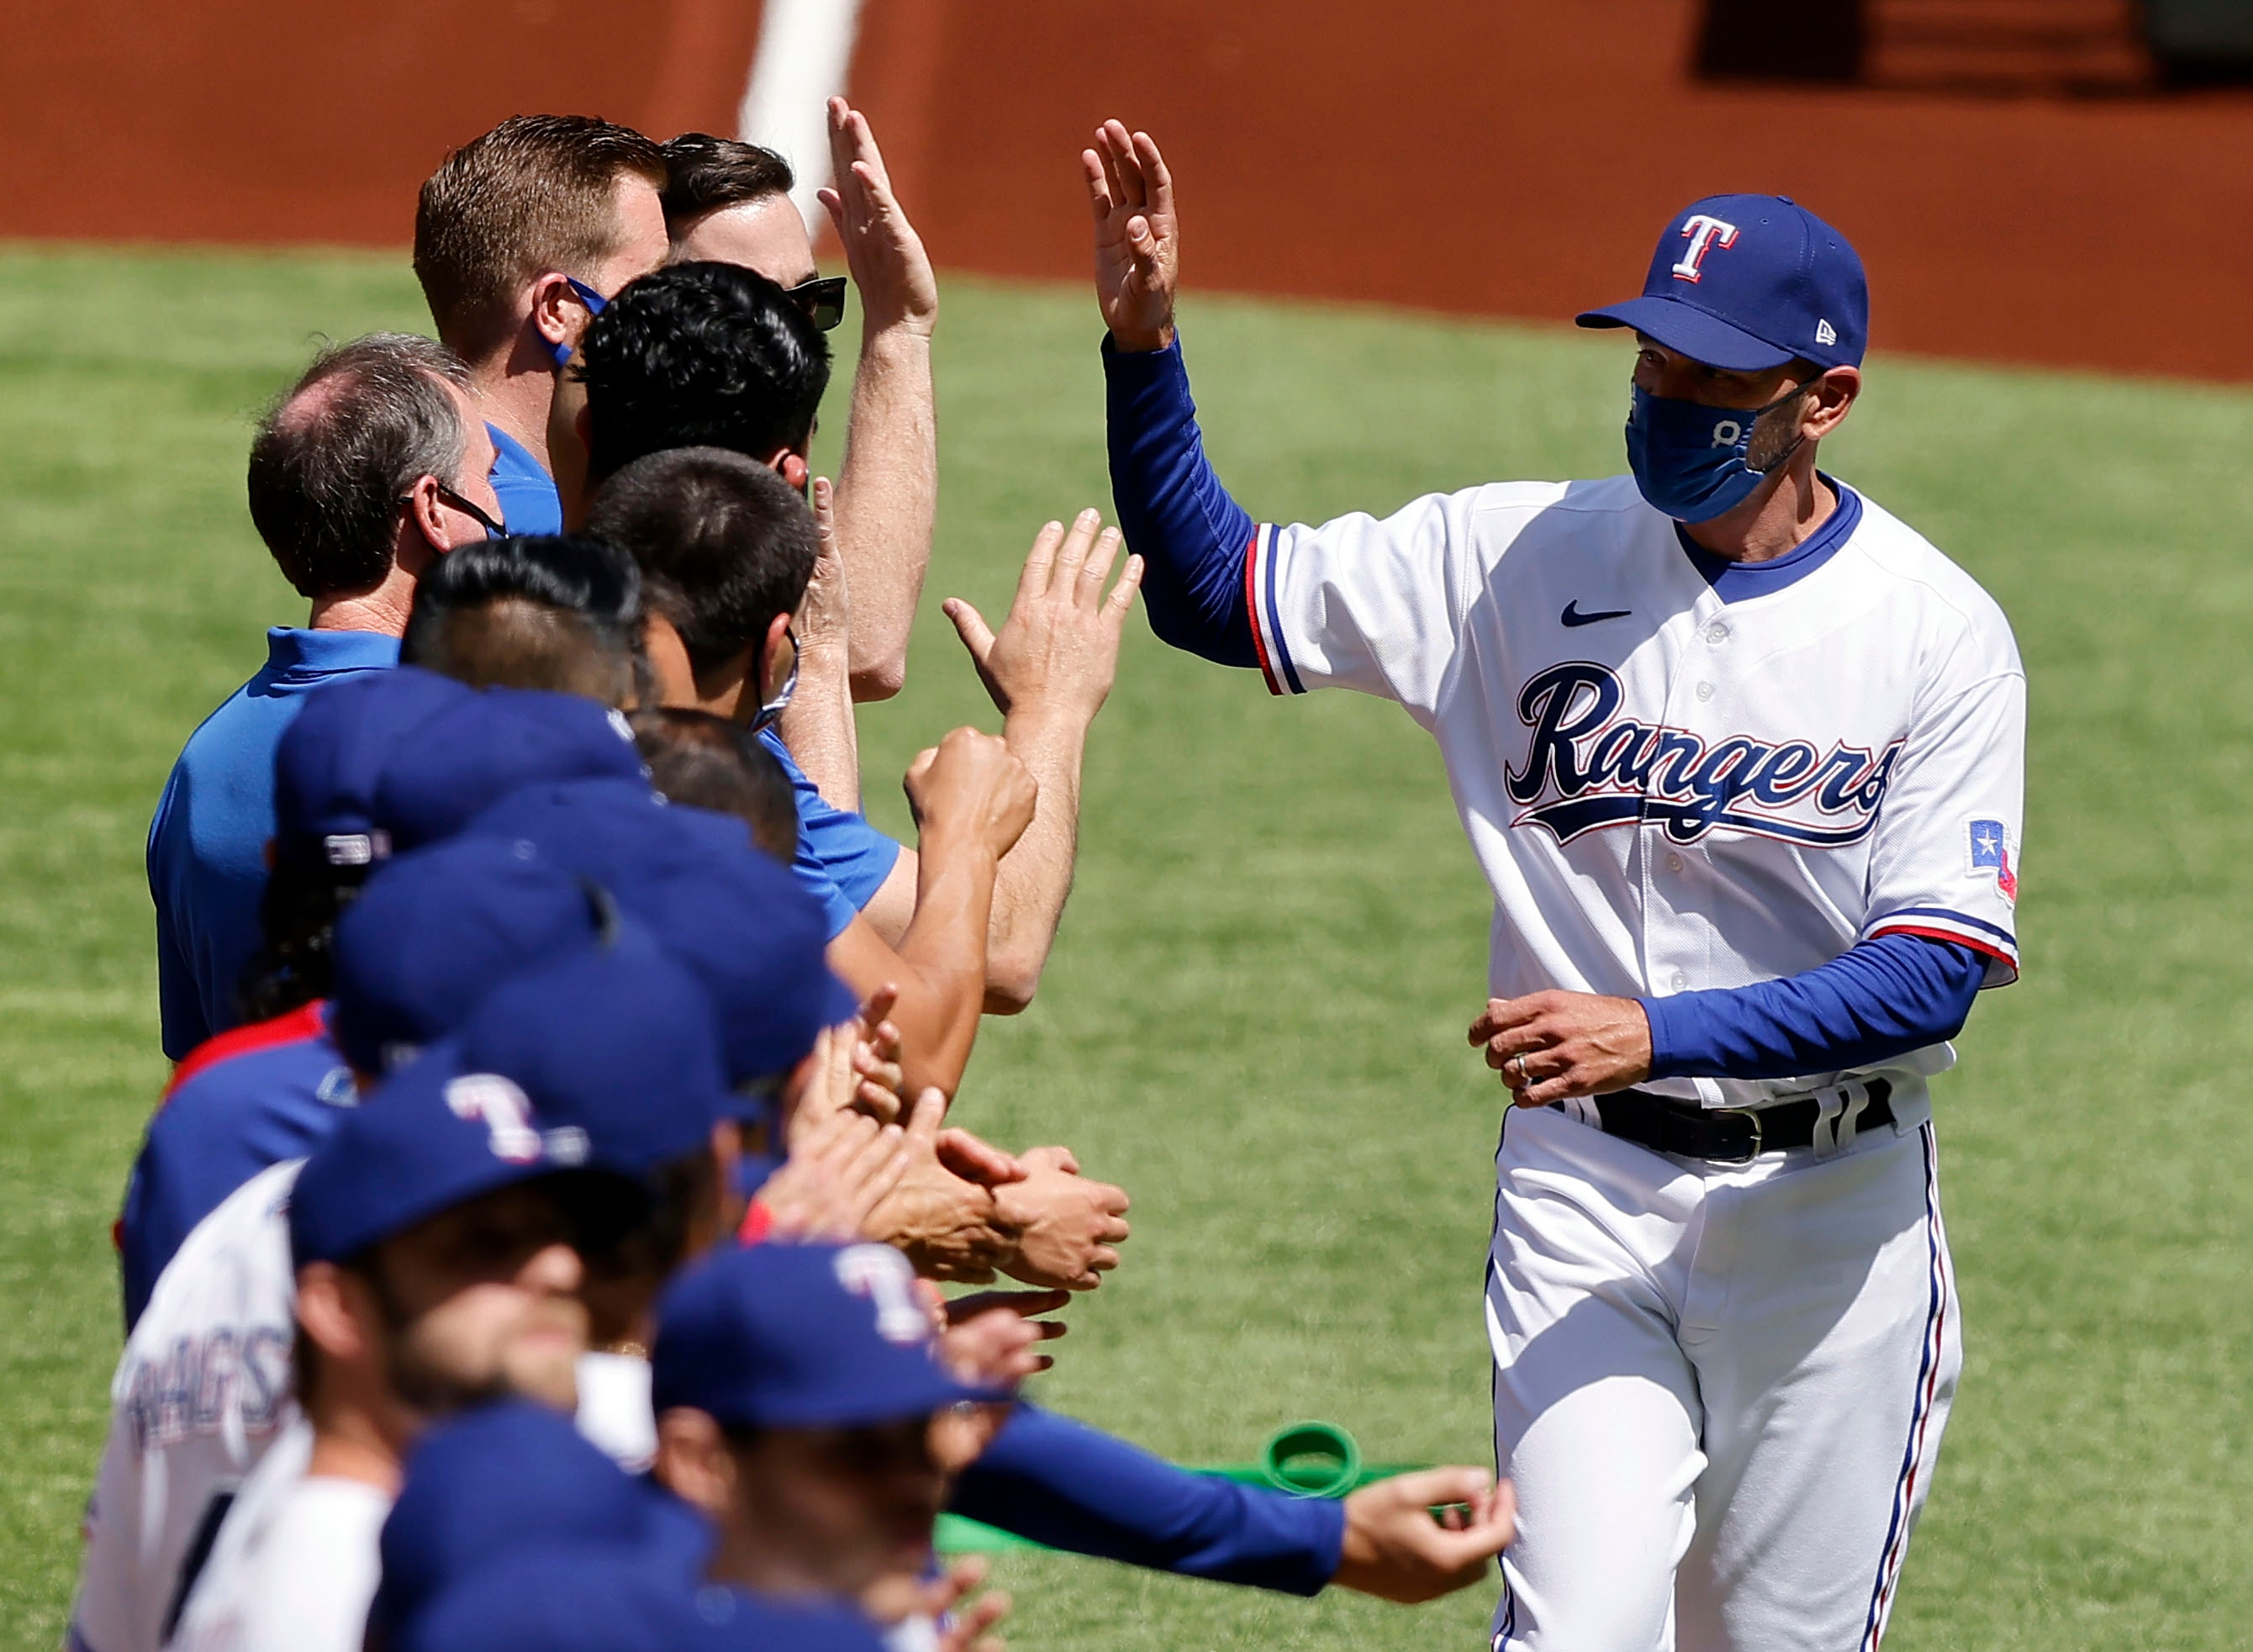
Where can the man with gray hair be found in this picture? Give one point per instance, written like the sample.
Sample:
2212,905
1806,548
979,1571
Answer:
372,465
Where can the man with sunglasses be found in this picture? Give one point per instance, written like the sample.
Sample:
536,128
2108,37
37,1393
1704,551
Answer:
520,236
729,202
370,468
1742,757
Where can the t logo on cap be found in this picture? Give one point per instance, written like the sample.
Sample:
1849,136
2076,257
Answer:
507,1112
883,1275
1704,234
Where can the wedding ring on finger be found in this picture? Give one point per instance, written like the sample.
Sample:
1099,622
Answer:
1518,1060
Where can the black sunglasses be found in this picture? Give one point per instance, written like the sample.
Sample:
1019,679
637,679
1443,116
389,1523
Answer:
493,530
822,298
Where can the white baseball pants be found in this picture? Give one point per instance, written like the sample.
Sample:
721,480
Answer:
1720,1389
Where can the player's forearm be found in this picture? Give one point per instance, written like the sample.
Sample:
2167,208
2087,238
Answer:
1878,999
1068,1486
944,952
1174,511
887,494
818,726
1036,876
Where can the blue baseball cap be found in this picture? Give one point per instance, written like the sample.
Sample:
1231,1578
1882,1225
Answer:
1749,283
477,750
587,1598
801,1336
330,760
514,1476
437,1136
617,1037
742,922
434,930
567,1598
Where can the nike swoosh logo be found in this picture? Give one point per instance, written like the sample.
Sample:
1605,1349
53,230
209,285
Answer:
1572,616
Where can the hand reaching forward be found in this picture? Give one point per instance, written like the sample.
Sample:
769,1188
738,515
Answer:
1067,1225
1138,249
1397,1550
838,1172
1550,1046
1057,652
881,248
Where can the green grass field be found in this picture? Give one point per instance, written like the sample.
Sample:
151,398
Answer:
1255,1015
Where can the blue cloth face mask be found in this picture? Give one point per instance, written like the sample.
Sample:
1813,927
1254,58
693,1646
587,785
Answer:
1689,459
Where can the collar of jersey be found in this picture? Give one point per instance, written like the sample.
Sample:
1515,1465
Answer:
307,656
1736,581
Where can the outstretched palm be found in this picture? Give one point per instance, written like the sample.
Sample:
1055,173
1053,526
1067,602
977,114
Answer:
1137,236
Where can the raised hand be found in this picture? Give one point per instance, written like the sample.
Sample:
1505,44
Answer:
1396,1549
1057,652
885,256
1138,252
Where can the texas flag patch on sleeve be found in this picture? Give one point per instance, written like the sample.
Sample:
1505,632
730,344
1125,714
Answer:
1990,852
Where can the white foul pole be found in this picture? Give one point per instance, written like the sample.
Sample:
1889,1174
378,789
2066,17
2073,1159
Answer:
806,49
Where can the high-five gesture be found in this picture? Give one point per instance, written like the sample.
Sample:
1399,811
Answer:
881,248
1138,245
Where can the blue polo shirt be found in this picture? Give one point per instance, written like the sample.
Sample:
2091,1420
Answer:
244,1101
208,844
529,503
842,859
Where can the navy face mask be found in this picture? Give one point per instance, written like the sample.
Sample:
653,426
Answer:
1689,459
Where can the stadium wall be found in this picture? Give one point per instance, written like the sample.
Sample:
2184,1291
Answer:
1473,156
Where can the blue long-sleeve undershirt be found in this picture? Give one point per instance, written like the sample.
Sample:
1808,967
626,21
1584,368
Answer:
1878,998
1193,539
1074,1487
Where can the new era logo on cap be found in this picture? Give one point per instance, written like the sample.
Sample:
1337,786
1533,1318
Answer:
1825,333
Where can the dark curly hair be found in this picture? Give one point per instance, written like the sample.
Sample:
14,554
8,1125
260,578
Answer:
699,355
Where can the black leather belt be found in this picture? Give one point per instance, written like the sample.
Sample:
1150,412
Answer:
1726,1135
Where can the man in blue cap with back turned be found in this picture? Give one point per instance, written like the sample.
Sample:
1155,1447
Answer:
1741,756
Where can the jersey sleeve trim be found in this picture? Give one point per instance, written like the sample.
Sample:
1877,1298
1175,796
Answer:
1938,923
1275,662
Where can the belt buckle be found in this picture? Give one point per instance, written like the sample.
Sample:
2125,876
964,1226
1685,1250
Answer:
1758,1134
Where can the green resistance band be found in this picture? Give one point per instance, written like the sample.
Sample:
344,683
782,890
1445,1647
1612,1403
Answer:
1307,1459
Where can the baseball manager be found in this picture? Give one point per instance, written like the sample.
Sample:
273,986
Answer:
1742,754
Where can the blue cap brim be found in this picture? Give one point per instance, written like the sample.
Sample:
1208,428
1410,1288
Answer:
1693,332
870,1407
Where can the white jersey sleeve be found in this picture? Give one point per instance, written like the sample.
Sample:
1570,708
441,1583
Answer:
201,1391
1944,854
296,1565
1378,606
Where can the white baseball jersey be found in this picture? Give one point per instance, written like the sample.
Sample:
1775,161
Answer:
296,1564
201,1392
1667,790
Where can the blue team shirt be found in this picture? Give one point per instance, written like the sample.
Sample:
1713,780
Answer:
246,1100
529,503
841,858
207,843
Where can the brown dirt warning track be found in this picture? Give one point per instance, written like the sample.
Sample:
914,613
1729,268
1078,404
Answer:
1477,155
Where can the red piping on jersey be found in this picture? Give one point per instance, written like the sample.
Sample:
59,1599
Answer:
1252,610
758,1223
1988,947
307,1021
